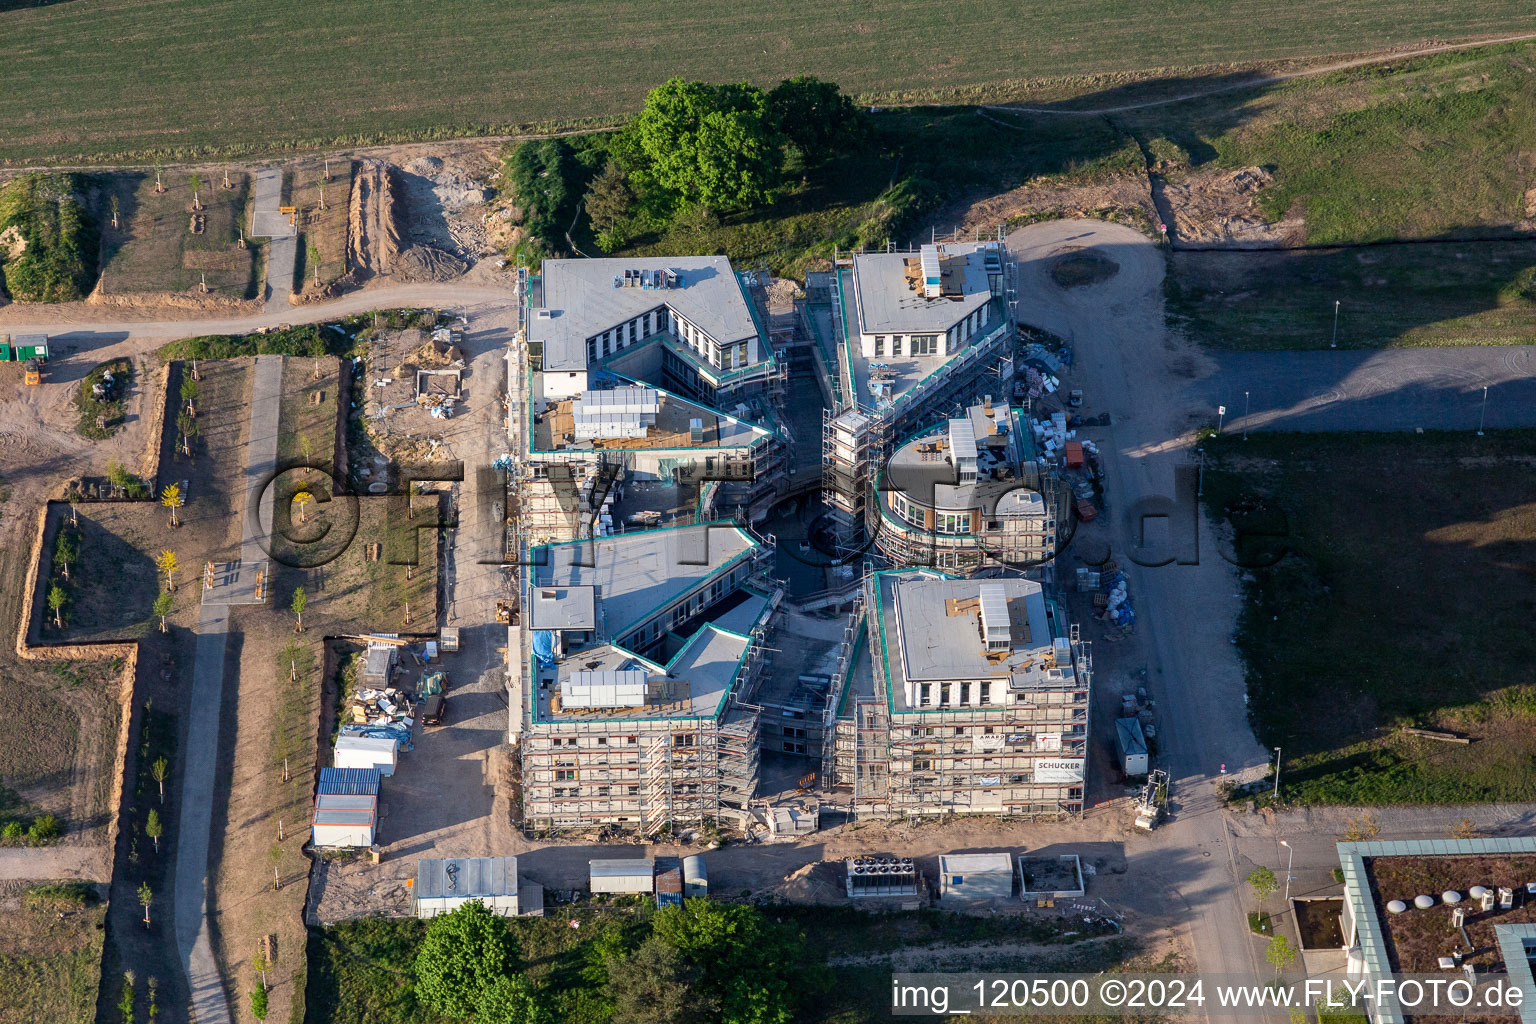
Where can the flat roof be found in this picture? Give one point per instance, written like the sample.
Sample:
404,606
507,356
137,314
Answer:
887,304
975,863
562,608
582,301
636,574
621,868
465,877
925,470
932,626
344,810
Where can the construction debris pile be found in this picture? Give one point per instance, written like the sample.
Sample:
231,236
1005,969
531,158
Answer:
381,714
1113,601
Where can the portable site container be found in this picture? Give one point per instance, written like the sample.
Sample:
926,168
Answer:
976,876
344,821
444,884
669,882
1131,745
695,878
365,752
22,347
627,876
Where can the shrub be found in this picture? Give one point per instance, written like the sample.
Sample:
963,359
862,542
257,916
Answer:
65,895
259,1000
45,829
12,830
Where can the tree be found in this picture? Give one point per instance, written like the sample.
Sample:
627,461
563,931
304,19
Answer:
463,952
509,1000
307,447
153,827
815,116
261,964
259,1000
189,395
159,185
1280,953
1263,882
196,182
162,608
116,208
715,145
303,499
57,599
158,771
188,427
166,562
744,961
655,985
171,498
66,549
609,199
146,897
314,261
300,602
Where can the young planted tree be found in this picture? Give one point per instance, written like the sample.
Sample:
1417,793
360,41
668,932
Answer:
116,208
125,998
57,599
159,184
159,771
314,261
302,500
153,828
171,498
66,549
188,427
166,562
162,608
297,606
146,897
1280,953
307,447
189,395
1263,882
259,1000
196,183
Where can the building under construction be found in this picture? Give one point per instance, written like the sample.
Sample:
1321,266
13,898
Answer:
647,372
918,337
975,701
645,649
968,494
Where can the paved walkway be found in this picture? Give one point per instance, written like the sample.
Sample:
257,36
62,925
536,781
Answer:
192,941
1385,389
198,772
282,248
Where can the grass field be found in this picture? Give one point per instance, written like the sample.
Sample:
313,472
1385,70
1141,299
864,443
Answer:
50,961
114,581
1440,146
1433,293
113,79
154,249
1405,602
322,232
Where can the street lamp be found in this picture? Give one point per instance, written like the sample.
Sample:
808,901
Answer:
1482,416
1277,773
1335,342
1245,415
1291,856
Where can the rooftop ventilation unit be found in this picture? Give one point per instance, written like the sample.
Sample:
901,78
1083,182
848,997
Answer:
928,262
995,629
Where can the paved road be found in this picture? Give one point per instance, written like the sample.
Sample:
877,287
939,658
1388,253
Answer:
261,456
1387,389
282,247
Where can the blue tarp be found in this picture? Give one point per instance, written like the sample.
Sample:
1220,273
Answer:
394,731
544,647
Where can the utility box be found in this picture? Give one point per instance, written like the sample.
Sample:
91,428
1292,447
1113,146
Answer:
975,876
1131,747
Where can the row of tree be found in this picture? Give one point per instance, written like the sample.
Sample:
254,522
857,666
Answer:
700,963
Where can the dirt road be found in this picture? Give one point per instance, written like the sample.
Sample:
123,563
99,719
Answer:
1141,376
89,863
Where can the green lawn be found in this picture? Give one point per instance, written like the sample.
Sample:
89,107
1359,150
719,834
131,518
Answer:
1405,601
1435,147
335,71
1432,293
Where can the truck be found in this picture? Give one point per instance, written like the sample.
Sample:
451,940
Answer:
33,373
